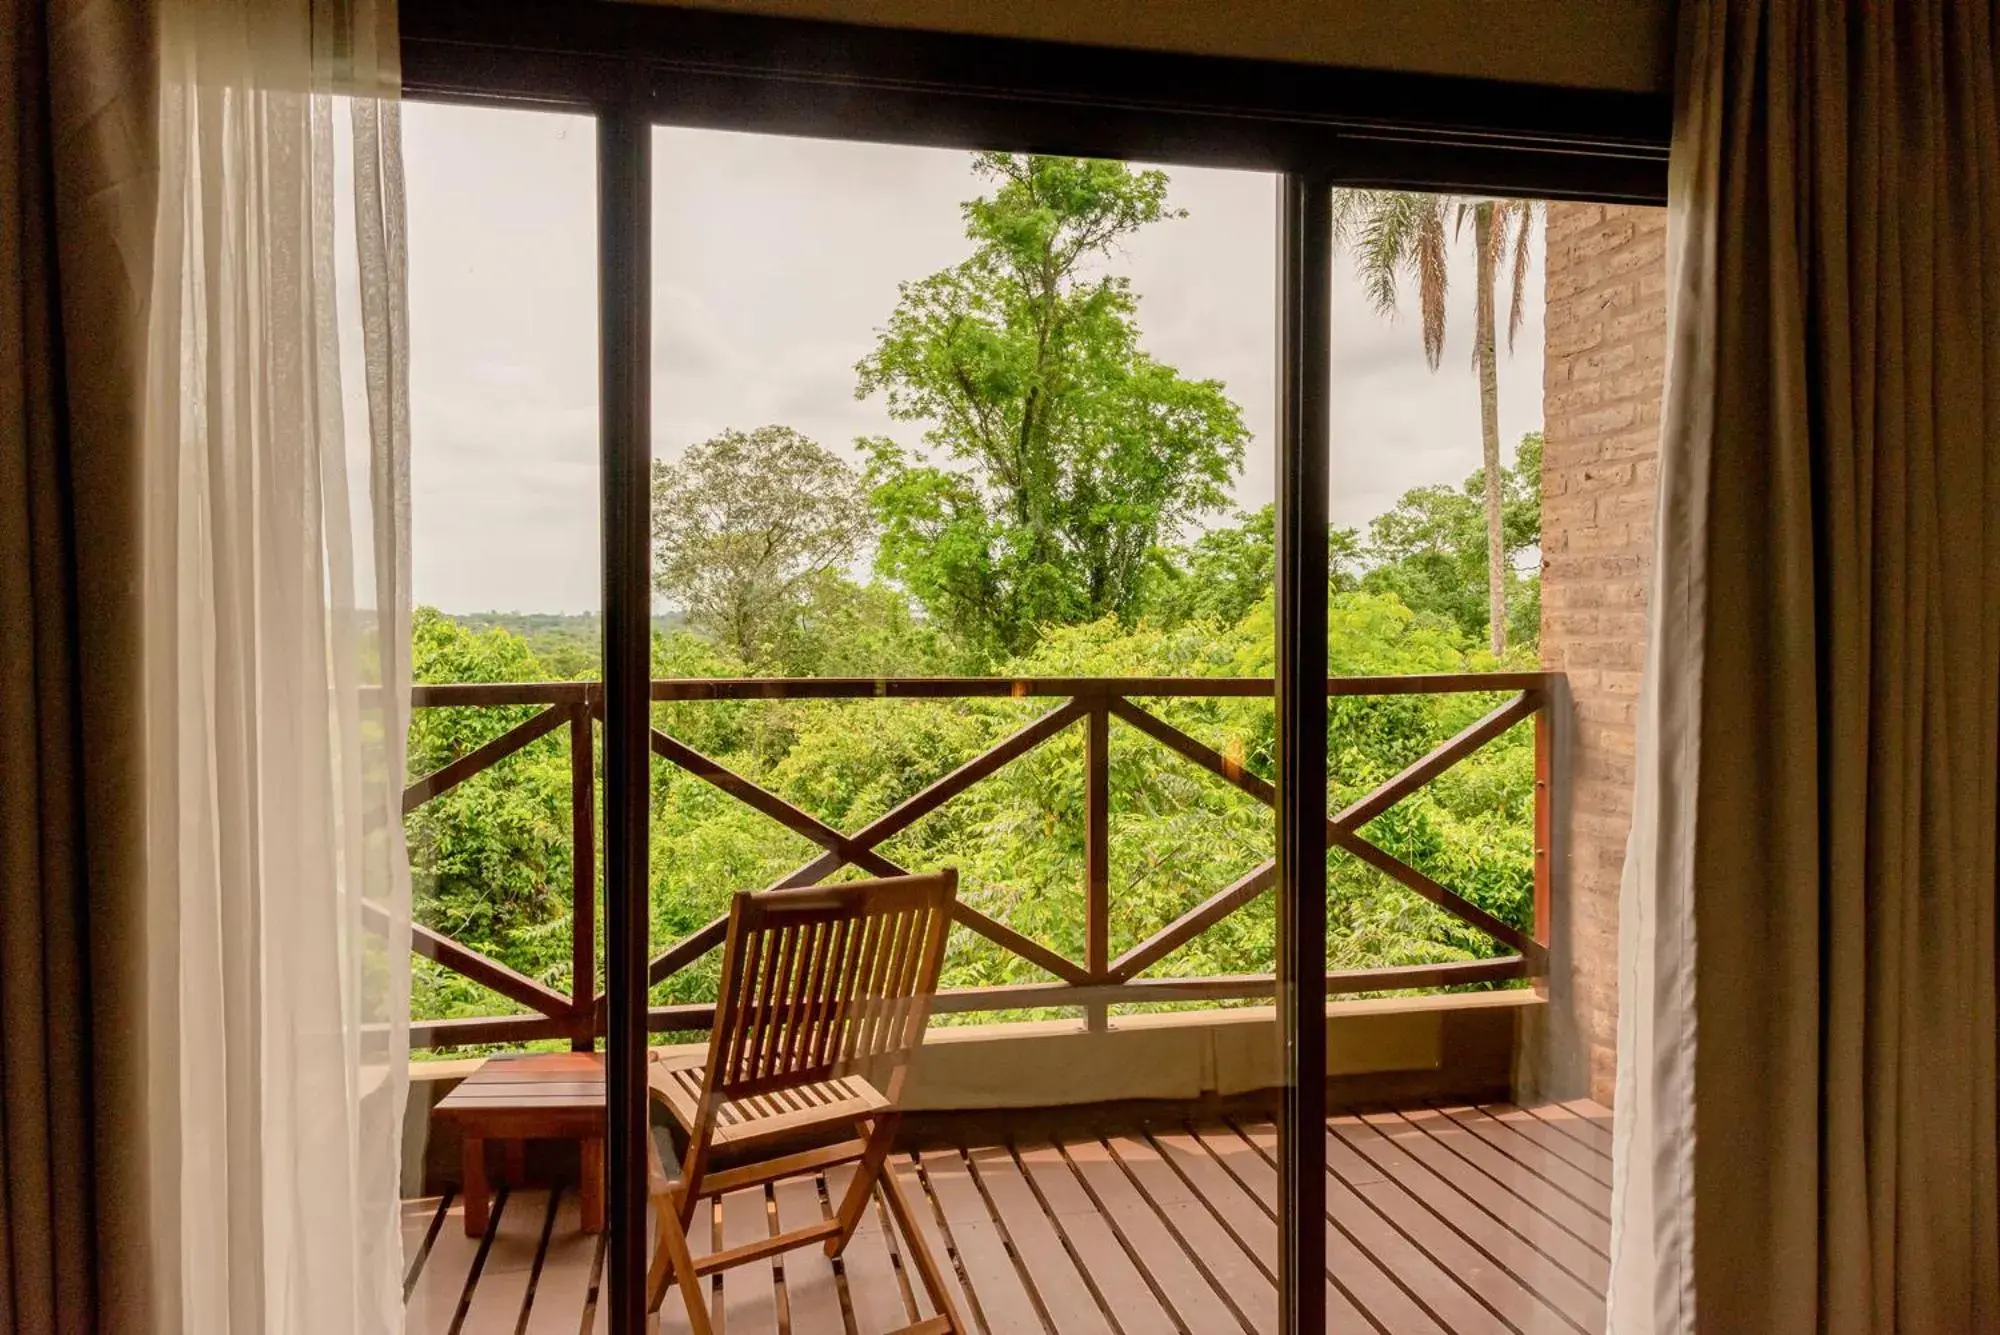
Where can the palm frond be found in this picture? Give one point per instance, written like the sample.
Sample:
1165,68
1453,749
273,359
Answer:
1523,213
1433,264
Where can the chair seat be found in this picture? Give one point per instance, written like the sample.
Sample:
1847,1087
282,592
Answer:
845,1099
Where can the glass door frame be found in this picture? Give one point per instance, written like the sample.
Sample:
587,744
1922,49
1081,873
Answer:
1317,129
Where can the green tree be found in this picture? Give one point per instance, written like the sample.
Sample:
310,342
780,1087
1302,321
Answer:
1068,453
1430,550
1391,232
745,525
1227,571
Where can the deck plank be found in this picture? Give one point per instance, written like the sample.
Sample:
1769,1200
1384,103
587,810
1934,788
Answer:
1236,1275
812,1290
562,1286
441,1284
1534,1159
1560,1146
702,1233
502,1292
1203,1154
1586,1218
1360,1276
873,1285
749,1291
422,1217
1135,1220
1592,1111
1574,1125
917,1187
1004,1301
1485,1214
1126,1291
1067,1301
1421,1247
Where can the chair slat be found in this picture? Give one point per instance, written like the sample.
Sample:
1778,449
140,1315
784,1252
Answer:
826,980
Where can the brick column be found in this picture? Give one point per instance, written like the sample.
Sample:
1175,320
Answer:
1602,376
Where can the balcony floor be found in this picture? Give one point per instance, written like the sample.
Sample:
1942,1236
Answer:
1442,1219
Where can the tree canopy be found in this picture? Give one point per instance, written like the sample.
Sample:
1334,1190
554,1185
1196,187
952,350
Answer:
1430,550
744,525
1063,453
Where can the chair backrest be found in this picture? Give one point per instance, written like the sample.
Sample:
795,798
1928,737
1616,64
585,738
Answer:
826,980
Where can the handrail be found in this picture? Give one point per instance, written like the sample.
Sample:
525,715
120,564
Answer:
1093,984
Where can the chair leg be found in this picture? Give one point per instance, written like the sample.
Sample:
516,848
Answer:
855,1203
919,1249
671,1258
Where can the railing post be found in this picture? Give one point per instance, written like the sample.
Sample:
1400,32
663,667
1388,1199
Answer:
1097,850
1544,816
583,880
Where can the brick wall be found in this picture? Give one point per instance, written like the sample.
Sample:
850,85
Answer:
1603,364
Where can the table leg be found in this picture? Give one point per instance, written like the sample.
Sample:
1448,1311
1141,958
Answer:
592,1191
472,1167
514,1161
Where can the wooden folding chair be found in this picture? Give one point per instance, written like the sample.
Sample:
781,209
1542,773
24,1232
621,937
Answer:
825,993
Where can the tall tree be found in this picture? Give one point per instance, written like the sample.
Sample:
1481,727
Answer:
745,524
1391,232
1068,452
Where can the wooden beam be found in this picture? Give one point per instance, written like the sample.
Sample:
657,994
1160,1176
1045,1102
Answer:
1097,848
1029,949
1437,761
488,972
699,1016
1457,905
920,804
583,873
484,1029
440,695
687,950
768,803
447,777
730,1257
1227,987
1193,923
1544,822
1199,753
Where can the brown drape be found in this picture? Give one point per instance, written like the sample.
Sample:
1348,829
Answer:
77,125
1831,547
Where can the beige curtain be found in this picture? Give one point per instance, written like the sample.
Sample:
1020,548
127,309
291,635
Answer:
1807,1118
77,111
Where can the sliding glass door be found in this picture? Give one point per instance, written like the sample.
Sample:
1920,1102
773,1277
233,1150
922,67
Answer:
998,482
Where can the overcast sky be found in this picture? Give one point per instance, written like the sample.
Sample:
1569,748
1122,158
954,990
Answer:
774,262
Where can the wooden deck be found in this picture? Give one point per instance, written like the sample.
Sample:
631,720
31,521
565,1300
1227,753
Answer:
1441,1219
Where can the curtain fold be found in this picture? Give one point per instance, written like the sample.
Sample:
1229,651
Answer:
276,619
1806,1135
76,188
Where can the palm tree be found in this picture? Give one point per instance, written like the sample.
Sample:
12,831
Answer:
1390,232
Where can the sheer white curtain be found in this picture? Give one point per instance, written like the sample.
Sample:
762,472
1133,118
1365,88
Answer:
276,632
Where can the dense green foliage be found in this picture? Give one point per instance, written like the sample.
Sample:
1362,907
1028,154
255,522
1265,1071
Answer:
1430,551
1048,543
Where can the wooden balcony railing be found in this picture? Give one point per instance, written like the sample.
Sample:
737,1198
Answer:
1098,980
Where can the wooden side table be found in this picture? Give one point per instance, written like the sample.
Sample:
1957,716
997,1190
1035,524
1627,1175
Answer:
545,1096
